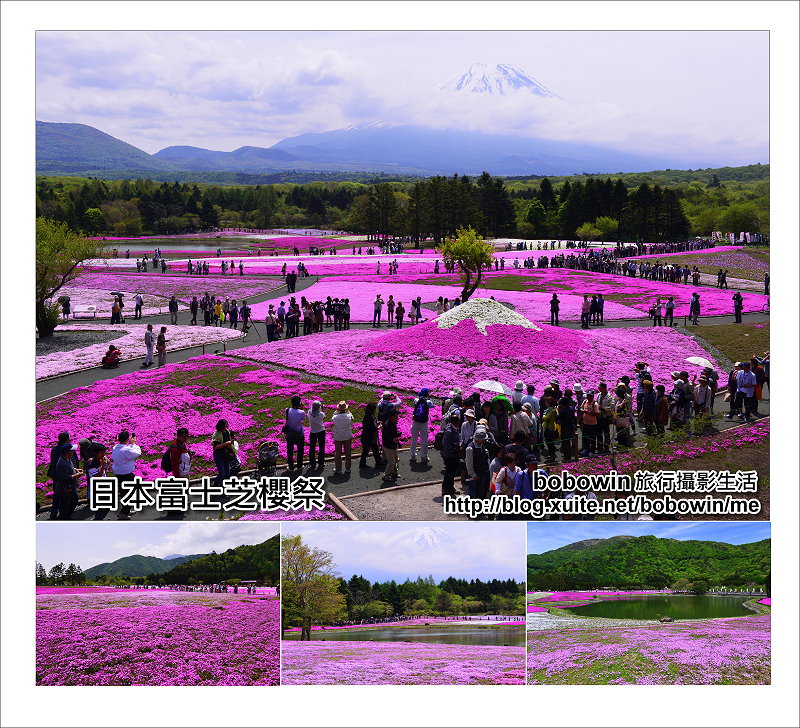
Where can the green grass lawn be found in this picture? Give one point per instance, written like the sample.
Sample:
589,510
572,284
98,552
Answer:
736,341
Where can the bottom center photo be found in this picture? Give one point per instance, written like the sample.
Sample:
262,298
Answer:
402,604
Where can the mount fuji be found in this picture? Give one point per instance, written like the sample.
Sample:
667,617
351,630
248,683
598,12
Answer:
429,538
502,79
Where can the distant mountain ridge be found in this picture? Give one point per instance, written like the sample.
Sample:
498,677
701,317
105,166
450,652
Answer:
381,148
635,562
137,565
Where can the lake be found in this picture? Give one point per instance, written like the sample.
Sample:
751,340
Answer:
675,606
456,635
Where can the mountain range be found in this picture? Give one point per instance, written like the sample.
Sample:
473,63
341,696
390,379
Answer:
647,561
137,565
78,149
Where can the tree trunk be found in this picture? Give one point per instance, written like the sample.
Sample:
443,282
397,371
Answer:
44,324
469,288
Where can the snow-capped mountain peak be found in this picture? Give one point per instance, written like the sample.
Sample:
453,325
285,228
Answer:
429,537
501,79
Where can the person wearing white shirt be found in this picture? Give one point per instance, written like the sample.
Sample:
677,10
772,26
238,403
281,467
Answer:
342,438
316,436
123,463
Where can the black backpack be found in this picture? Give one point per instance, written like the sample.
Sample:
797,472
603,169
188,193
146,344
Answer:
166,460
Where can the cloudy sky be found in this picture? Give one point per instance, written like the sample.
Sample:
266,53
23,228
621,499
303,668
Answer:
88,544
381,551
547,535
689,93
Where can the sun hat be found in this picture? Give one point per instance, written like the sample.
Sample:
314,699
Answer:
342,406
527,407
469,413
483,422
675,375
66,447
480,434
519,386
387,394
554,381
577,387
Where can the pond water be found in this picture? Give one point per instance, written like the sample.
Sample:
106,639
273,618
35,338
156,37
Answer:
148,246
456,635
675,606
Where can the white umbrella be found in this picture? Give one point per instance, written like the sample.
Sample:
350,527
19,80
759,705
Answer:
490,385
699,361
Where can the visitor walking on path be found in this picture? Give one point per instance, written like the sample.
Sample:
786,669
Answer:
377,307
419,425
138,302
161,346
150,345
65,482
554,306
342,438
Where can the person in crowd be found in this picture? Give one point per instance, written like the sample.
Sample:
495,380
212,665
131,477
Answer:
222,443
342,438
173,310
123,464
66,480
390,436
150,345
451,453
316,436
111,359
161,346
419,425
370,436
399,313
745,391
293,428
138,302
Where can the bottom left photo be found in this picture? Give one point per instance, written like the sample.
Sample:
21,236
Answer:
158,604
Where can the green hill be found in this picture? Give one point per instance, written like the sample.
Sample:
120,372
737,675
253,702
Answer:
260,562
136,565
78,148
627,562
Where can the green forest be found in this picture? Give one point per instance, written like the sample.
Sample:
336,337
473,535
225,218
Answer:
259,562
365,599
648,562
656,206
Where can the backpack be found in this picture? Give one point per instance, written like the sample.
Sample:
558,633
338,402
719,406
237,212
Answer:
420,410
166,460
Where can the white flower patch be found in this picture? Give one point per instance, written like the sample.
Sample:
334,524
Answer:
484,312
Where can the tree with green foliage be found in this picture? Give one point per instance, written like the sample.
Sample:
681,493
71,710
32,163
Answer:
700,586
59,252
310,589
56,575
470,253
588,232
608,227
41,575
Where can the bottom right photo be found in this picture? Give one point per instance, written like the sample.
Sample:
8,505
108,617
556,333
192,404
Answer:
648,603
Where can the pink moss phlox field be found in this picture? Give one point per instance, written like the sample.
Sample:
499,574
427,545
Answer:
426,356
157,638
169,284
399,663
154,403
100,297
130,342
766,600
707,652
736,437
362,295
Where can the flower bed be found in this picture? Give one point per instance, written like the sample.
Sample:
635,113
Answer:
130,343
362,294
766,600
100,296
719,651
194,394
182,639
400,663
419,621
425,355
754,434
170,284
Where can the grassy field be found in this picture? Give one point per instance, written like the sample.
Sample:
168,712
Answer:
739,264
738,342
